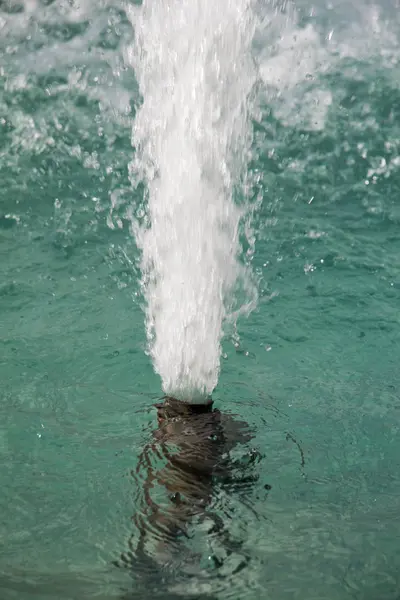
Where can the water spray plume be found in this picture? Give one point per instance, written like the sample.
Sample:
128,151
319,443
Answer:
192,138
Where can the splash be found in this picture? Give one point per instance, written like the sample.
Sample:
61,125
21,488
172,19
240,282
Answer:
192,136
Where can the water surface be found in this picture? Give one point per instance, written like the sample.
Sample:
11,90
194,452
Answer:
315,368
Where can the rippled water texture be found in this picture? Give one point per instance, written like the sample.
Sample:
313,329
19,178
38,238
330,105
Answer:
307,506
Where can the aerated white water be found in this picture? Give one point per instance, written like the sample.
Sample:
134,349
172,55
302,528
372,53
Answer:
192,60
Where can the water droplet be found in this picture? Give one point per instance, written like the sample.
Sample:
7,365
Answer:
309,268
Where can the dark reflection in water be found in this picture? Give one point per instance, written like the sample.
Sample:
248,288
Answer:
178,474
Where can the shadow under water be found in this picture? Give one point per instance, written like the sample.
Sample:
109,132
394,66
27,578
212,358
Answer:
186,463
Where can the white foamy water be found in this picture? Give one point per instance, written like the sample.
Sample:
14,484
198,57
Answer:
192,59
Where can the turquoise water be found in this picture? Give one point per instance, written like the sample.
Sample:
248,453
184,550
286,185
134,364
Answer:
316,369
